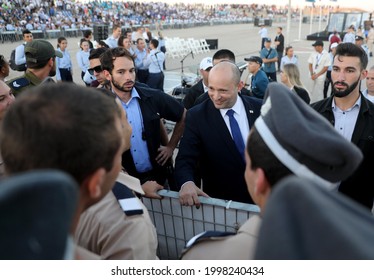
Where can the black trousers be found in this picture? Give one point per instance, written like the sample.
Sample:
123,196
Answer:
327,83
65,75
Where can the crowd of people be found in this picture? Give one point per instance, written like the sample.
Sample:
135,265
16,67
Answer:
51,14
234,143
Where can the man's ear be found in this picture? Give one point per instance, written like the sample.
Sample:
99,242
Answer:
262,186
94,183
364,74
107,75
240,86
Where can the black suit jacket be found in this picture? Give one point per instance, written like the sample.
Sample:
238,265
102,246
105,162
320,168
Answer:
154,105
358,186
192,94
207,140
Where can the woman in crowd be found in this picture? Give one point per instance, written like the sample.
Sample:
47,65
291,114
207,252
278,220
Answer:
64,66
290,76
289,57
82,57
4,68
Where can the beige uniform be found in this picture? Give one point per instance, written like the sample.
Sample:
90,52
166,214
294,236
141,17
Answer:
107,231
240,246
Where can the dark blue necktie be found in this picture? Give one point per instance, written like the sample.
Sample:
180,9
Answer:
235,131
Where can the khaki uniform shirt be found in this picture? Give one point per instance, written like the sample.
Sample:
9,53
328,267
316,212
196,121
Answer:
240,246
107,231
23,82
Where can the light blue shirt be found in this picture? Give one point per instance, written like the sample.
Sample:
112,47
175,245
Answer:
64,63
139,148
82,59
112,42
154,61
270,66
345,121
368,96
20,57
140,56
286,60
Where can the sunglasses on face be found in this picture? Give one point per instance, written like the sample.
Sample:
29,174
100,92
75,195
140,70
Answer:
97,69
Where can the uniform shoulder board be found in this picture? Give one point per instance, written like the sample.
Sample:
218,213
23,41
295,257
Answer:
19,83
129,203
208,235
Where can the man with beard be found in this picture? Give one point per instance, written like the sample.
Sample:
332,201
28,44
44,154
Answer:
41,65
352,116
147,159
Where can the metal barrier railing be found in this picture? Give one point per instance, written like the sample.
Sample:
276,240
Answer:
176,224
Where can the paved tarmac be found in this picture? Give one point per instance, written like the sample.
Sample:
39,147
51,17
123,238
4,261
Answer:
242,39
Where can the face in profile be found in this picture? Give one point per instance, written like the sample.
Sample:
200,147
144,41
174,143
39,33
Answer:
6,98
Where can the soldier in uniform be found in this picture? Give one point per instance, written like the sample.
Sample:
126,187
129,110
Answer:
272,153
110,222
41,66
359,41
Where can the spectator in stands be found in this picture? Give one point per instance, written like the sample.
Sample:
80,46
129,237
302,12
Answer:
4,68
273,153
112,41
20,57
64,66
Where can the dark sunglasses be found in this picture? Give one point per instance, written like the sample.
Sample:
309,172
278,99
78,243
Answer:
97,69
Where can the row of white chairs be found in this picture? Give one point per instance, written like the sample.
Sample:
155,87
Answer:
178,47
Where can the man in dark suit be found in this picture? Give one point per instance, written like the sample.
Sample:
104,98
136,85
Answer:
352,115
201,86
214,137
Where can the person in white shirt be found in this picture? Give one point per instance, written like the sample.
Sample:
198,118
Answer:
112,41
264,34
154,61
20,57
359,41
289,58
369,91
349,37
82,58
319,61
64,66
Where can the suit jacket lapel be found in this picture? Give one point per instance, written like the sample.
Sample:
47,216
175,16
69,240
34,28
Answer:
249,110
360,123
221,129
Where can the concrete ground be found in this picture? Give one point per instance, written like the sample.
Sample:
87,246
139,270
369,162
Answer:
242,39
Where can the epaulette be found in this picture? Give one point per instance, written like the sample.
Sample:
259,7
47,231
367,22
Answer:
129,203
19,83
205,236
